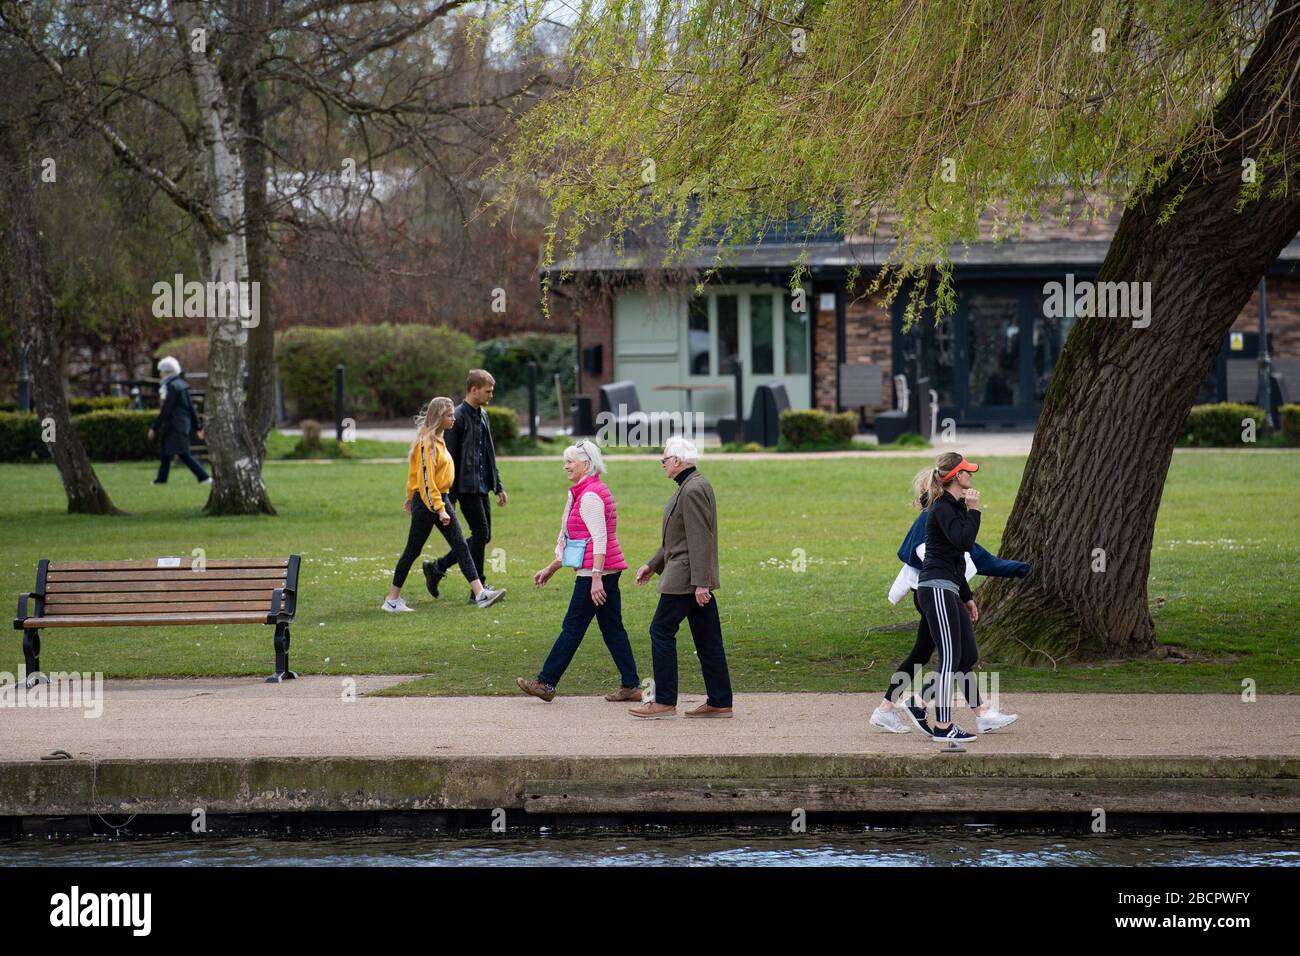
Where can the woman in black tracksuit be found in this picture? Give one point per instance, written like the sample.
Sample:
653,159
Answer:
943,594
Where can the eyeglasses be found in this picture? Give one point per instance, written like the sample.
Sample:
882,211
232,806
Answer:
667,458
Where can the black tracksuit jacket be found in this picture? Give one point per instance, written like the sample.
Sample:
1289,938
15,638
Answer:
950,532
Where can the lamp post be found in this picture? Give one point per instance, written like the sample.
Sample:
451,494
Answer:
1264,383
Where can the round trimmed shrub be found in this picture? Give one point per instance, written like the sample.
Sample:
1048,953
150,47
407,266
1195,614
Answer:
504,425
804,428
1289,423
1219,425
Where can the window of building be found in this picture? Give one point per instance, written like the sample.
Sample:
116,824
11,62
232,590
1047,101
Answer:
796,337
760,334
728,334
698,335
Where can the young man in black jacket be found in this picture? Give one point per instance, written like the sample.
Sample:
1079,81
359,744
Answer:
470,443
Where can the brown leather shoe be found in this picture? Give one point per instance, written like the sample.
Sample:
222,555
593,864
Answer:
536,688
653,711
704,710
624,693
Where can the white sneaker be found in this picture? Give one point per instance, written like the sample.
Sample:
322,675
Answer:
396,607
993,719
888,720
489,596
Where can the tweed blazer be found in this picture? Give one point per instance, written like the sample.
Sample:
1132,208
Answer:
688,557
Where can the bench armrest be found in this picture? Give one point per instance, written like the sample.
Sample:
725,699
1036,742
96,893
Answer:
21,614
284,601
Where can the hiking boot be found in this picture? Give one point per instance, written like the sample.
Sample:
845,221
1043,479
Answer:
536,688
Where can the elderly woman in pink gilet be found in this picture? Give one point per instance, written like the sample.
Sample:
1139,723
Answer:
588,543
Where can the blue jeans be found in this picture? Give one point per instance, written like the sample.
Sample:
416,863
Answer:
610,618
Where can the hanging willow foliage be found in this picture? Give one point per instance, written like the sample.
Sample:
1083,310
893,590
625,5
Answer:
924,123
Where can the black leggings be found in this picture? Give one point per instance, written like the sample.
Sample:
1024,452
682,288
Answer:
423,521
909,671
954,638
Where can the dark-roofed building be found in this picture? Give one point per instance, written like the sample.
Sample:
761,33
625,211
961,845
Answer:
989,363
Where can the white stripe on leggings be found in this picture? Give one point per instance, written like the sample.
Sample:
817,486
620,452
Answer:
944,705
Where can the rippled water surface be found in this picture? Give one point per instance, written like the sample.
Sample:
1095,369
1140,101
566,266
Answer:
942,846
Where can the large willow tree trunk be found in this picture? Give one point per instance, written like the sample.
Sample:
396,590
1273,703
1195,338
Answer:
1120,394
237,487
22,268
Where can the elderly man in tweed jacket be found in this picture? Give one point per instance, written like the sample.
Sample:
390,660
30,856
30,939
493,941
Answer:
687,563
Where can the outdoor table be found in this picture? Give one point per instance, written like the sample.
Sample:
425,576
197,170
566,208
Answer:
690,391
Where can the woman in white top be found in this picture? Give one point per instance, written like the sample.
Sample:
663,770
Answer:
588,543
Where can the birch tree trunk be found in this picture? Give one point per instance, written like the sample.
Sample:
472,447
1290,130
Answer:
237,486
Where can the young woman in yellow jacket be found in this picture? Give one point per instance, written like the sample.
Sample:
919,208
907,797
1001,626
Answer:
430,474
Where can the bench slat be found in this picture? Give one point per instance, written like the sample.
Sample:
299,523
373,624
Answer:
171,607
164,587
156,574
143,620
157,597
151,563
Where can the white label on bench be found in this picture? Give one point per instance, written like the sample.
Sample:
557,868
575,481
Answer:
169,562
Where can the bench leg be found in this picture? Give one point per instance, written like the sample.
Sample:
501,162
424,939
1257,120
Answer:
282,672
32,656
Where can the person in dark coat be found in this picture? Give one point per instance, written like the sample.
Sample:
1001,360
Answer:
687,563
175,423
470,443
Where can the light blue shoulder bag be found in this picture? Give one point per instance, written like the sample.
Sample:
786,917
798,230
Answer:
575,549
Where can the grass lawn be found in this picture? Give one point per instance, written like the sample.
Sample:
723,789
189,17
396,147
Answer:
1223,581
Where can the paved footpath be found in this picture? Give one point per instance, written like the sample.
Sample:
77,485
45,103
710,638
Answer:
244,717
237,746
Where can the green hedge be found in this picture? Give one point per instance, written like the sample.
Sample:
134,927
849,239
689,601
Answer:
117,435
108,435
1290,423
79,406
812,429
392,370
20,438
504,425
1219,425
507,359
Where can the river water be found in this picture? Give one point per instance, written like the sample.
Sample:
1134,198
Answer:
975,845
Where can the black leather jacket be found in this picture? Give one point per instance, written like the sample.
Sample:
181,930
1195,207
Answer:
462,441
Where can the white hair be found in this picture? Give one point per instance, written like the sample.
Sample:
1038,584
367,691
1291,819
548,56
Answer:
683,448
169,366
588,452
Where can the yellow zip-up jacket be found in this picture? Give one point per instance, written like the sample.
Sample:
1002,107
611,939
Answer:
431,472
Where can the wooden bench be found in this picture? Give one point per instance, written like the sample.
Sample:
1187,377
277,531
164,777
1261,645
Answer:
159,592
